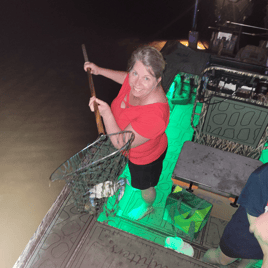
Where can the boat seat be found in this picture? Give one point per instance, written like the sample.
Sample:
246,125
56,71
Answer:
228,141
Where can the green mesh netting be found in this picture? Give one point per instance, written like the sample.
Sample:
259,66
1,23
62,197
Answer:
92,174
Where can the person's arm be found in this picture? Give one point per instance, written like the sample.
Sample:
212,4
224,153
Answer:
117,76
112,127
118,142
259,226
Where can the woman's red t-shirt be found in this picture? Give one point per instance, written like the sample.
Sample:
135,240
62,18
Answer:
150,121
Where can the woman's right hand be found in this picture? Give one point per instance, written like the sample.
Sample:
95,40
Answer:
94,69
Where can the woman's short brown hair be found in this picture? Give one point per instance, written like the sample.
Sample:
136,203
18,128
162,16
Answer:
151,58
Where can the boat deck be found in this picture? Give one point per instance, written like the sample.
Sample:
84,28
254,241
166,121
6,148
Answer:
68,238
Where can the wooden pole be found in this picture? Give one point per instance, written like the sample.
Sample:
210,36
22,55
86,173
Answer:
93,93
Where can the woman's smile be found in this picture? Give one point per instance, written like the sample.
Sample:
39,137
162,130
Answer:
137,89
141,80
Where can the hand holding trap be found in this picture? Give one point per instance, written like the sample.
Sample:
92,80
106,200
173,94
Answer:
92,174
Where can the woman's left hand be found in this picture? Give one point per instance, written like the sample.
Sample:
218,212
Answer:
104,108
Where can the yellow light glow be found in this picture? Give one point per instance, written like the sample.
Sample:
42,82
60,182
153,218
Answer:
160,44
199,44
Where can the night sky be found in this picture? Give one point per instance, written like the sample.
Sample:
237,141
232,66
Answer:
41,28
25,20
45,19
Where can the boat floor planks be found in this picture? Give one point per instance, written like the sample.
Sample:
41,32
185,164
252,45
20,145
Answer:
67,238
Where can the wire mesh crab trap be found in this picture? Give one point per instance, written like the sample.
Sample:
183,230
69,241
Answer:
92,174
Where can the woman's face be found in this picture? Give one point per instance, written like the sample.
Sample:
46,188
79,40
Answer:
141,80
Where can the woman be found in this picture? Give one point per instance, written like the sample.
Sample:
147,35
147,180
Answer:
141,107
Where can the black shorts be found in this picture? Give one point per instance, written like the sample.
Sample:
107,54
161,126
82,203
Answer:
146,176
237,241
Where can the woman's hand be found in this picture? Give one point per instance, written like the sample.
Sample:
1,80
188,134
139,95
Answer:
94,69
104,108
